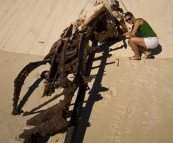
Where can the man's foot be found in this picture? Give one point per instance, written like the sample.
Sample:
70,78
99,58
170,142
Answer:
134,58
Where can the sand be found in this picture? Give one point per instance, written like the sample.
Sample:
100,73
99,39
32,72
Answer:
128,101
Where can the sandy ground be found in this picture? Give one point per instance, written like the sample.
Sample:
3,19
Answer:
128,101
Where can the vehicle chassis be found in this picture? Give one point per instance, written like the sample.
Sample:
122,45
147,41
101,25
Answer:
73,54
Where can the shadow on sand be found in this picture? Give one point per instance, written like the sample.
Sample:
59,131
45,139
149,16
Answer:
157,50
29,92
94,95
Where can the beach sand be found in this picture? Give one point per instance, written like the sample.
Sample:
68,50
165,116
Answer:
128,101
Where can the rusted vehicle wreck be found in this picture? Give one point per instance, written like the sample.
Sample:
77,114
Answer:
73,54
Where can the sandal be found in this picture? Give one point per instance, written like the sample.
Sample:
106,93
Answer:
132,58
150,57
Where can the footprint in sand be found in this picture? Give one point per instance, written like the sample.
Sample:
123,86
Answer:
105,102
107,96
146,120
118,133
112,90
148,69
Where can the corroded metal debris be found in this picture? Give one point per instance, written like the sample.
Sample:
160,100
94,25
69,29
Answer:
68,55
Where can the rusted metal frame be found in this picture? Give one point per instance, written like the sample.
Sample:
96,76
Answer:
53,68
82,54
67,66
54,49
71,54
49,84
55,97
68,94
19,81
118,24
62,81
54,64
112,22
67,32
72,129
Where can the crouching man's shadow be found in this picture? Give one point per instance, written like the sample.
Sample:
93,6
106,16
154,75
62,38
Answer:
157,50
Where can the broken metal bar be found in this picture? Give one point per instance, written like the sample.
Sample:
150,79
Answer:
19,81
62,82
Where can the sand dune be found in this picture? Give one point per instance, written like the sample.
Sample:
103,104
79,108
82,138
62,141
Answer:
33,26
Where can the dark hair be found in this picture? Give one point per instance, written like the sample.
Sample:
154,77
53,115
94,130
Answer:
128,14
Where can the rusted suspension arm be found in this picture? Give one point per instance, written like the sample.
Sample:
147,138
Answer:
19,81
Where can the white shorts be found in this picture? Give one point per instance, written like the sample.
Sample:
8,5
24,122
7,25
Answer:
151,42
